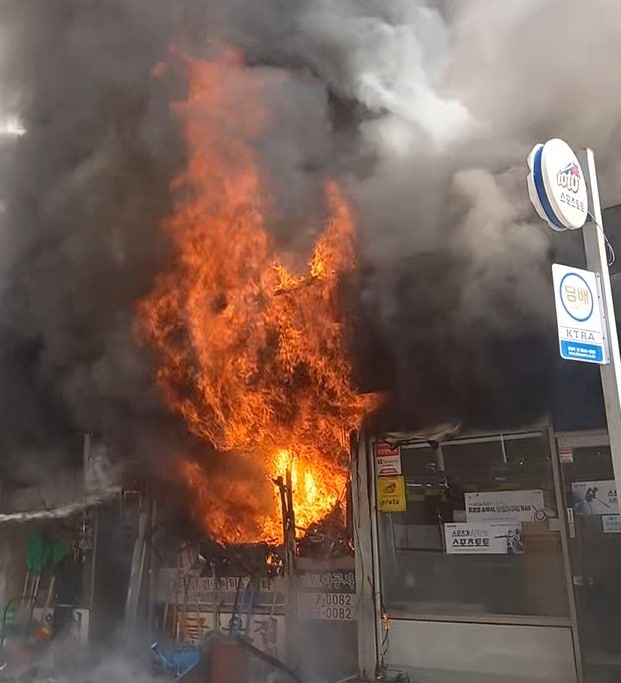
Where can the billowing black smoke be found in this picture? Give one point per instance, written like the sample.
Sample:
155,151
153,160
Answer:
84,190
437,105
424,110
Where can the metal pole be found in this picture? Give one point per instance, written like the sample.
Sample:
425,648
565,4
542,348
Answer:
290,524
136,572
293,658
366,622
380,617
597,261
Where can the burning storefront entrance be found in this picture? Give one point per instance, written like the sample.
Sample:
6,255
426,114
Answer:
251,351
251,345
275,595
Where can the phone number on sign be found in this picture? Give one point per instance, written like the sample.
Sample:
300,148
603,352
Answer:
326,606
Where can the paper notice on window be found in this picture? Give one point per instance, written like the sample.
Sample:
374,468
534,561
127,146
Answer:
387,461
611,524
471,538
391,495
595,497
566,455
505,506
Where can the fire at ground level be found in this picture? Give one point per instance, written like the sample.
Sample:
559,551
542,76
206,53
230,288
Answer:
372,588
271,381
133,576
131,588
132,566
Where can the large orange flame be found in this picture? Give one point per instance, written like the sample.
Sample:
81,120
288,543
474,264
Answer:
251,351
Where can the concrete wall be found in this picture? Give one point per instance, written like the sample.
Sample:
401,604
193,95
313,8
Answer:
434,652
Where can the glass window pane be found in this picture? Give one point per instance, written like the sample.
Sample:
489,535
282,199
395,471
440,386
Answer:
420,576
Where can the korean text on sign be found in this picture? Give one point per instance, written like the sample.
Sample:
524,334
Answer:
577,295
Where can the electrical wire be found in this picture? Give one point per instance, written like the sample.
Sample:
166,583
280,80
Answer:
399,676
63,510
610,251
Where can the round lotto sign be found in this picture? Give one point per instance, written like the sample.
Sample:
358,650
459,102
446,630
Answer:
556,185
576,297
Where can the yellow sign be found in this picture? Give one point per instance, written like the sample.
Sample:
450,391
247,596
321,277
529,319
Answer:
391,494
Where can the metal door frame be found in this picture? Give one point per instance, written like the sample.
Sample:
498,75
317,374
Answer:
365,543
366,480
583,439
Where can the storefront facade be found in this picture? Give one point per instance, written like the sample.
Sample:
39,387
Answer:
490,556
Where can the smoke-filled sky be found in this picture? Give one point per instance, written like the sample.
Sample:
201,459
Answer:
425,110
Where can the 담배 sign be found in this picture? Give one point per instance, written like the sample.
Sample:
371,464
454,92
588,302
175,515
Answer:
505,506
579,315
493,538
595,497
391,494
387,460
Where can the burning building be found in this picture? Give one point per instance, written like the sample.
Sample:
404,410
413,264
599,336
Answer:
251,350
244,243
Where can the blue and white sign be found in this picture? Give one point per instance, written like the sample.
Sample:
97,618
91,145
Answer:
579,315
556,186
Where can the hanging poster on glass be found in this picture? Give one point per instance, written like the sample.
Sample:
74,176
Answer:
483,538
595,497
611,524
387,461
505,506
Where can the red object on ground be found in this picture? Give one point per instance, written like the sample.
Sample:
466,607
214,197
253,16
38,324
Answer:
228,662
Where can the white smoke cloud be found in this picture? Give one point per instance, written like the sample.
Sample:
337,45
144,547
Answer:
456,94
394,66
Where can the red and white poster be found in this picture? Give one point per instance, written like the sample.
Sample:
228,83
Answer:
566,455
387,460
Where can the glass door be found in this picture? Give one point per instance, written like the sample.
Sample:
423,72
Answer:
594,546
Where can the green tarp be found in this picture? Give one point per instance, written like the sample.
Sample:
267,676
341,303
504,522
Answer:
41,553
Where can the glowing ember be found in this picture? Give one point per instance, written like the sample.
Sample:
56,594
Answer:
251,351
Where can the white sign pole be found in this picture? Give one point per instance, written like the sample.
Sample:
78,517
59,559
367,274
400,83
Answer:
597,262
